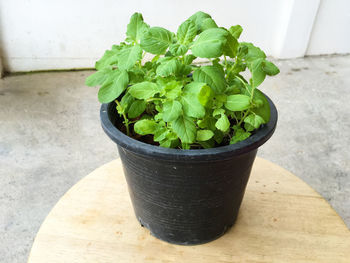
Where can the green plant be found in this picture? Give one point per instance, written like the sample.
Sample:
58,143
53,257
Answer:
180,104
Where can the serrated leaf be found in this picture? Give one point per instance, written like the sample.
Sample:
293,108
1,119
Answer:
186,32
98,77
156,40
178,49
237,102
236,31
144,127
171,110
136,27
270,68
144,90
168,67
210,43
128,56
185,129
211,75
191,106
223,124
113,86
208,23
204,135
136,108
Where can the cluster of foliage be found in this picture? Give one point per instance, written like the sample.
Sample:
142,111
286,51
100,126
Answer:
180,104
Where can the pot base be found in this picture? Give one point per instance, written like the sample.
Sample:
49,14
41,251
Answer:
187,242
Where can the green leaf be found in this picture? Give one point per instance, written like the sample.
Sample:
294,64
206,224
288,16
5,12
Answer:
258,73
178,49
128,56
136,27
185,129
253,52
160,134
239,135
207,144
172,89
191,106
136,108
171,110
210,43
264,110
113,86
144,127
184,70
194,87
186,32
204,135
98,77
208,23
231,46
223,124
207,123
236,31
217,112
237,102
144,90
205,95
270,68
198,18
125,103
168,67
109,58
254,120
156,40
136,75
211,75
188,59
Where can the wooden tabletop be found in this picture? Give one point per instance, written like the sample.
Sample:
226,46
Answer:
281,220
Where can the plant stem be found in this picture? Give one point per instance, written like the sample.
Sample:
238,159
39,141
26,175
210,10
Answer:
242,119
126,120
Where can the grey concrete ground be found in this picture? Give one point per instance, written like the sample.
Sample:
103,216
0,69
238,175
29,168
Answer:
50,137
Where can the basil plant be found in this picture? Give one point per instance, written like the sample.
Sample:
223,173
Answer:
172,102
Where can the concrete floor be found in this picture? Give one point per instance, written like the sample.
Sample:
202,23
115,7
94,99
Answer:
50,138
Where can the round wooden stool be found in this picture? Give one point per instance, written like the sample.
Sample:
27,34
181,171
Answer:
281,220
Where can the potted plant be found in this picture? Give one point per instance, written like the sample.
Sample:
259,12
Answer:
187,134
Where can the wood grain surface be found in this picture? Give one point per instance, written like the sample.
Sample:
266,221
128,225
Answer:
281,220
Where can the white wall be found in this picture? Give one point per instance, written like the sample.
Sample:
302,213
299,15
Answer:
62,34
331,31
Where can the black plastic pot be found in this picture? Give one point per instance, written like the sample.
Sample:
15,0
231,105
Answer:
186,197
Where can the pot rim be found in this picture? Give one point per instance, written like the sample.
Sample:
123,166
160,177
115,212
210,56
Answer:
222,152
